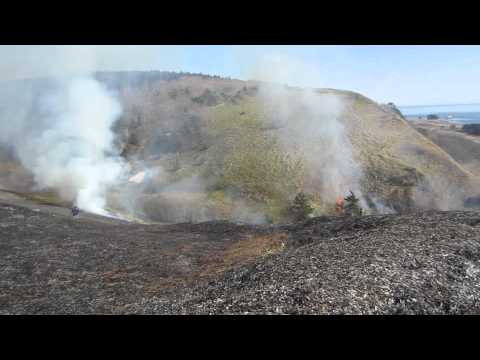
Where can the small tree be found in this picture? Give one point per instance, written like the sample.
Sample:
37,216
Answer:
301,208
352,206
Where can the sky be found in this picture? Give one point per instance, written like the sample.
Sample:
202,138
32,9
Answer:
405,75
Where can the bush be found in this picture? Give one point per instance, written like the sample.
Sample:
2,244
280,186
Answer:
352,206
301,207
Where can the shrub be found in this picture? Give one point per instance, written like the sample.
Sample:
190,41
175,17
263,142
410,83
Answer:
352,206
301,207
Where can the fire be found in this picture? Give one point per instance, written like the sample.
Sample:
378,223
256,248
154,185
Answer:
339,206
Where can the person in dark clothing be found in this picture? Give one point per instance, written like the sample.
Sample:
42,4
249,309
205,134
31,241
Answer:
75,211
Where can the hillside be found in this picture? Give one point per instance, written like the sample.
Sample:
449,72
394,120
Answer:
179,131
463,147
402,169
203,221
405,163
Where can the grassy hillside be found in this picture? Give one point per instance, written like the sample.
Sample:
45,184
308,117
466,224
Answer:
464,148
218,152
399,159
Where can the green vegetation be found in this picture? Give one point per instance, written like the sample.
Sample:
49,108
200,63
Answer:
252,163
217,200
301,207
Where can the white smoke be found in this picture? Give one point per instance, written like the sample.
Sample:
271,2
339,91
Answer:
71,151
310,122
61,128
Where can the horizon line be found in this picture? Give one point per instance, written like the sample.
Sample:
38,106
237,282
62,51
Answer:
440,105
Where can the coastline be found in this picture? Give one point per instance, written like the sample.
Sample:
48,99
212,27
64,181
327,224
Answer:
441,122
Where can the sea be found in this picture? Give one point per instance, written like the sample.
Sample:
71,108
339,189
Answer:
462,114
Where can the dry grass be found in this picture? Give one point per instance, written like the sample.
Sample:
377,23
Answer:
215,261
244,251
9,167
254,247
44,198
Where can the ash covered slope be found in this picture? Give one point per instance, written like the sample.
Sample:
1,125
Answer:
426,263
52,263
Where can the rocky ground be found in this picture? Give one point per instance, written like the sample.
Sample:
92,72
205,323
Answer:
425,263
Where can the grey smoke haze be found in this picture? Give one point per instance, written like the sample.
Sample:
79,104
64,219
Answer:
307,123
312,125
439,193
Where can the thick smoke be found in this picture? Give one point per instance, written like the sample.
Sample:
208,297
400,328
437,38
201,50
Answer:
61,130
67,141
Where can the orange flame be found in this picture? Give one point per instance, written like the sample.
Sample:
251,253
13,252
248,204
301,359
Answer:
339,205
340,201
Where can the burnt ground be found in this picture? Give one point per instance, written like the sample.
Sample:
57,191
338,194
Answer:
52,263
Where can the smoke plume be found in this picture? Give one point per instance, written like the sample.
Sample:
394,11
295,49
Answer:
61,130
311,122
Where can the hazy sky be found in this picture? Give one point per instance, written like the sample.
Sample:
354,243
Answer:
406,75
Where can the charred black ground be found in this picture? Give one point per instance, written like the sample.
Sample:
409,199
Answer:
52,263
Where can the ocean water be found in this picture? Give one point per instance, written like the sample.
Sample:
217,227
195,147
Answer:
463,114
